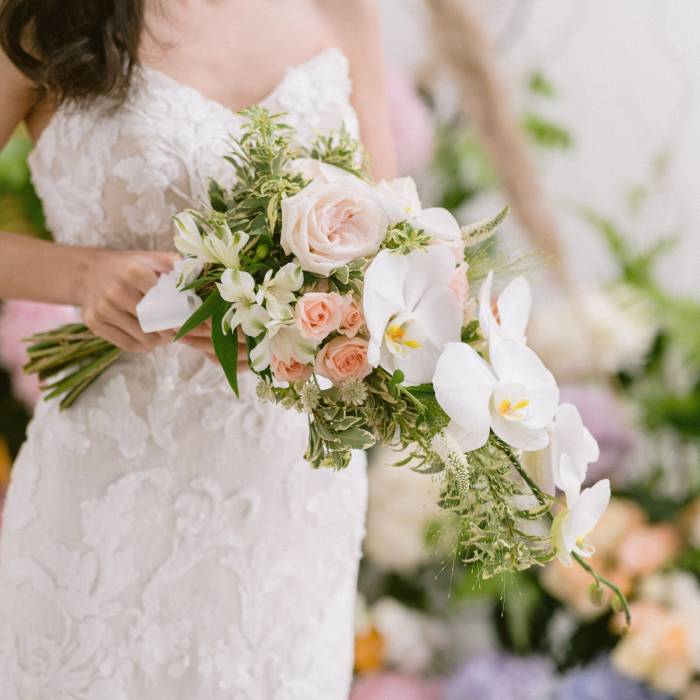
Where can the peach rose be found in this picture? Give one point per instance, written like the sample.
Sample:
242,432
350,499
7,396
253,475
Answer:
318,314
328,224
353,319
343,359
292,371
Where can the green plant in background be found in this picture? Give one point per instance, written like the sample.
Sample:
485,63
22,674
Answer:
20,208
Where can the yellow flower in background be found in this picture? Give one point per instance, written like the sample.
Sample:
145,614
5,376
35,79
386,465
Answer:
369,651
5,464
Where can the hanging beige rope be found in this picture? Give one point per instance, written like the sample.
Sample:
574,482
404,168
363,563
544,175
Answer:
464,46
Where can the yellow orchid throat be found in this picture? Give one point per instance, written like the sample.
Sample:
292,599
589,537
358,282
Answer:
397,340
507,408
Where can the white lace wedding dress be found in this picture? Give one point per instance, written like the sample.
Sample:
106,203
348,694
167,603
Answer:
163,540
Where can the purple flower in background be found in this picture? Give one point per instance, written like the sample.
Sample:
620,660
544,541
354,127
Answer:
395,686
604,416
600,681
496,676
411,123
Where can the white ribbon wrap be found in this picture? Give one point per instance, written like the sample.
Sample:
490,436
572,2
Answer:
166,306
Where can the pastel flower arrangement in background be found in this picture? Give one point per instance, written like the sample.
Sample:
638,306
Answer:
20,320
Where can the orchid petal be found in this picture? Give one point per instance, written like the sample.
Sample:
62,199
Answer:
515,363
518,434
382,297
514,304
439,223
487,321
427,267
463,385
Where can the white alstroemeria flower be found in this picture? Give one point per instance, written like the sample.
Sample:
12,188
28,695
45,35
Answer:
513,306
401,203
239,288
577,519
282,339
278,289
410,311
564,463
515,397
223,246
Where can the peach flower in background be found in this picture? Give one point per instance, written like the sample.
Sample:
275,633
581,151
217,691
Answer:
353,319
648,548
343,359
570,585
657,649
292,371
318,314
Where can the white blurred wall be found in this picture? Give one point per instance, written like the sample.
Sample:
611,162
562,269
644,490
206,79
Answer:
628,77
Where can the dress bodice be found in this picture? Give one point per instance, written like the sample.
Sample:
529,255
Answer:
114,176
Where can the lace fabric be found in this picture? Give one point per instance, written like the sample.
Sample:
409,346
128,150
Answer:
164,539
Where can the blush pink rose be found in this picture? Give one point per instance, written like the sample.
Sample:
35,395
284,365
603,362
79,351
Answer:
353,319
318,314
329,224
292,371
343,359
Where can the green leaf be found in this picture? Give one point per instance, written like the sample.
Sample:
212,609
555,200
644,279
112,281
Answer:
226,348
357,438
211,305
397,377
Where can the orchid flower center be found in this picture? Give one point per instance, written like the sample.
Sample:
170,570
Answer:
511,402
400,336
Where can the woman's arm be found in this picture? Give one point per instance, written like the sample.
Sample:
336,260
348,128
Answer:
357,25
106,284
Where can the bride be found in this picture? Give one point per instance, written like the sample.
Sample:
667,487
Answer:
163,539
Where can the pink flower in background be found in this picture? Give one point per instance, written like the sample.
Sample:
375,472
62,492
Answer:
648,548
395,686
20,319
411,123
604,415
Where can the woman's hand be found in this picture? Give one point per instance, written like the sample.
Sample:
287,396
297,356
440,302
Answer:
200,338
112,284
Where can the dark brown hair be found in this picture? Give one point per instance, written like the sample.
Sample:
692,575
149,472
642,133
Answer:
73,49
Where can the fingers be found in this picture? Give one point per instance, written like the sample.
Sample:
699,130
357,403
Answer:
201,331
199,343
117,337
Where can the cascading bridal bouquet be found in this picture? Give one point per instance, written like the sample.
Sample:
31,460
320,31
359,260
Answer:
355,308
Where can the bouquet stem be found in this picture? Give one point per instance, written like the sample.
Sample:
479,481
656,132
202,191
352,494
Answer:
68,359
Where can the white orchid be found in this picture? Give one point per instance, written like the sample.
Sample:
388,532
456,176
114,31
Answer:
222,246
282,339
278,289
564,463
401,203
515,397
513,306
411,312
238,288
581,514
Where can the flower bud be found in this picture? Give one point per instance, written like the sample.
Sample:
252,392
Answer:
595,594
